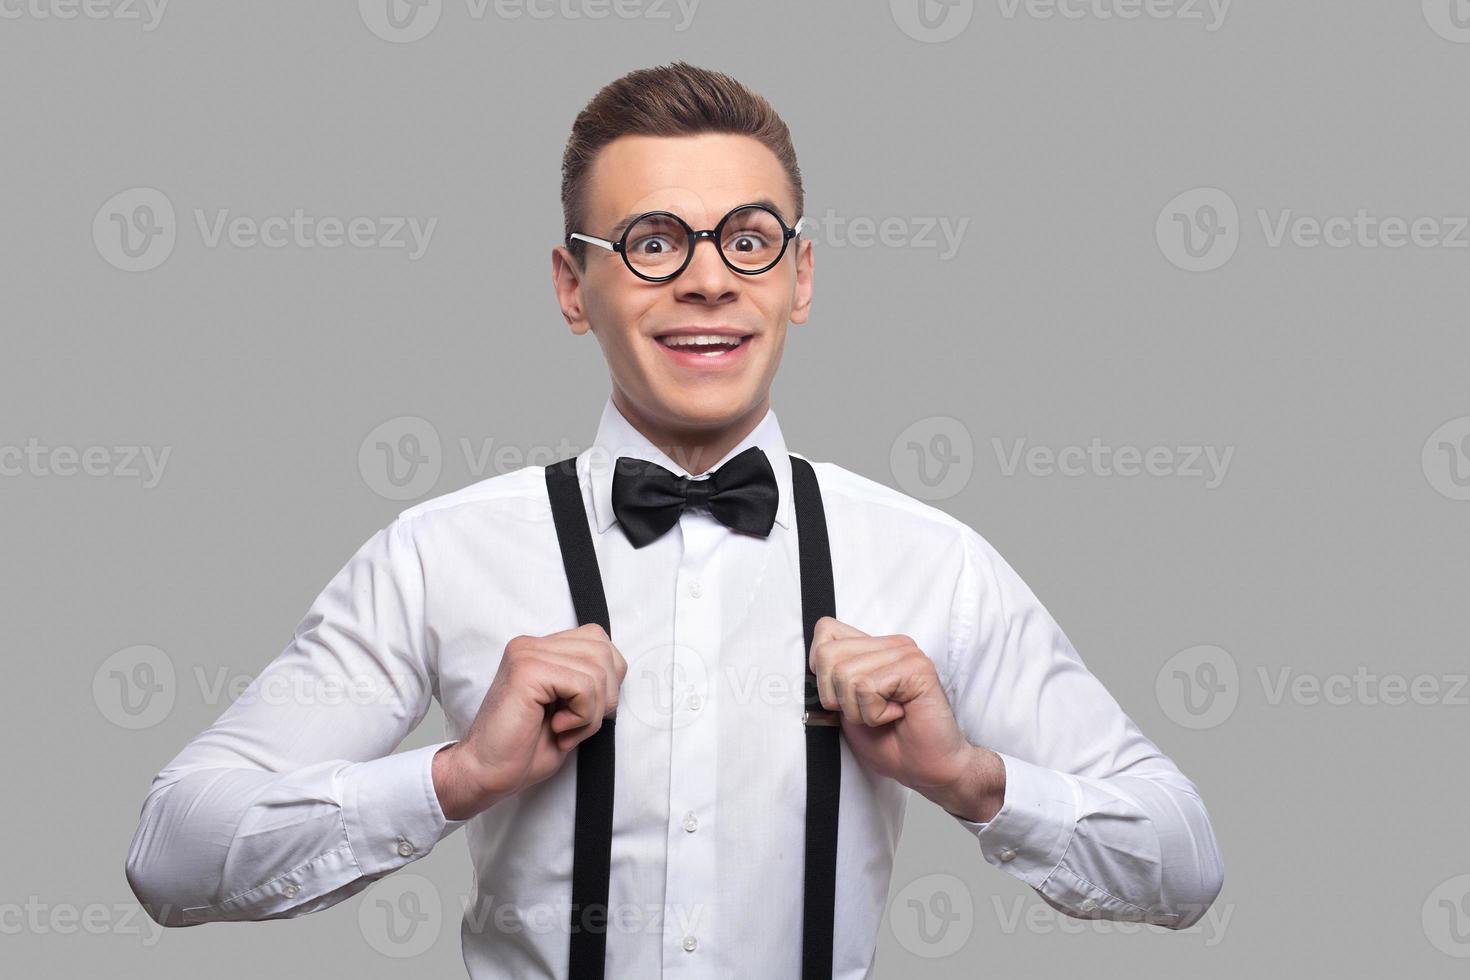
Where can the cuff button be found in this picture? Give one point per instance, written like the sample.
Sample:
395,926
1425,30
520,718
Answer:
292,890
1088,905
1008,854
405,849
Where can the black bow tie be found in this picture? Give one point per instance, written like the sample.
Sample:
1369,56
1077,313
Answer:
648,499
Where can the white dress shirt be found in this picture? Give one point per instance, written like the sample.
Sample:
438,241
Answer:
293,802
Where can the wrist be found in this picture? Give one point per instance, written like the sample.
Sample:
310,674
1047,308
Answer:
977,792
461,784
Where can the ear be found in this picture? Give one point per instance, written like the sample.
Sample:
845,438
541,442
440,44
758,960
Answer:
566,279
802,294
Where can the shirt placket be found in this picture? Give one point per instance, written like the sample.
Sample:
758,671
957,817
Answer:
689,892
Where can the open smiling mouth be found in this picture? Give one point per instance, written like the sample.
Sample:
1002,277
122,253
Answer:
704,346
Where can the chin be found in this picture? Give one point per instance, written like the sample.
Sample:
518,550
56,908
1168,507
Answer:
709,407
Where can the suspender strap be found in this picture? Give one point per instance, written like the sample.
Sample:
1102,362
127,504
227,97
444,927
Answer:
592,847
823,748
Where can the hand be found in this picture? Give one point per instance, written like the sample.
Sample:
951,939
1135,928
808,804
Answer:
550,694
898,721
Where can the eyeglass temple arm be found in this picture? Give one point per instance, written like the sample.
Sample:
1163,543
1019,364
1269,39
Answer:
610,246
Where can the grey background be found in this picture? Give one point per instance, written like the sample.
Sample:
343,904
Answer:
1334,542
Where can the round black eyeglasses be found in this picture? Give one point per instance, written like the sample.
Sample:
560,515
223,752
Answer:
658,245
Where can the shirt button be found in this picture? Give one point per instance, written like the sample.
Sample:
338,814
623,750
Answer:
691,822
405,849
695,589
1088,905
292,890
695,703
690,943
1008,854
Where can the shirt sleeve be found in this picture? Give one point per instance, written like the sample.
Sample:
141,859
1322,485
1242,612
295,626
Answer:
291,801
1095,818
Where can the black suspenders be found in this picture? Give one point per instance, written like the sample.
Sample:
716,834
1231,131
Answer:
592,847
823,748
591,853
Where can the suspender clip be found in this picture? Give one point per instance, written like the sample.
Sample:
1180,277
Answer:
821,716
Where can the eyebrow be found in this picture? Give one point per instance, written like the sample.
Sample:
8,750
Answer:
622,225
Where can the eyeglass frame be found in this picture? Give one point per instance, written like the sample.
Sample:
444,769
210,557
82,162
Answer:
693,237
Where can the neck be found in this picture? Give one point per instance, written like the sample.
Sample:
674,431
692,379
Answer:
694,448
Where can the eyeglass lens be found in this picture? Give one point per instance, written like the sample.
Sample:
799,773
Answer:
751,239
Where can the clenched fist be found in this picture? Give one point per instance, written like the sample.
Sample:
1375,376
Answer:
898,722
550,694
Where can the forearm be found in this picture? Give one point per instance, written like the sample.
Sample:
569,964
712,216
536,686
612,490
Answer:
221,844
1136,846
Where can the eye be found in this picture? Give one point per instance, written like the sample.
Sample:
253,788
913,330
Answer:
651,245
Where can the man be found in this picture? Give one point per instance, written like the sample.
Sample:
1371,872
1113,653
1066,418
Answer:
940,669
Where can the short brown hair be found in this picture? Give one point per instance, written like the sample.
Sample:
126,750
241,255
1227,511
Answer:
670,100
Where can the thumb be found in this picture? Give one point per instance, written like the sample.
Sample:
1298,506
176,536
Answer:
831,628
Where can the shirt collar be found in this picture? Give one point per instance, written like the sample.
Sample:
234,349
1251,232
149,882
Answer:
616,437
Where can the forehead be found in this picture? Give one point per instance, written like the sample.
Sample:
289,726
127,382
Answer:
697,177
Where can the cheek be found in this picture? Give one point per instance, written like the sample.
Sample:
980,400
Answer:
616,311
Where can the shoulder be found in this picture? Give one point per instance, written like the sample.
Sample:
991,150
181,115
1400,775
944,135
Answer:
872,510
879,502
517,496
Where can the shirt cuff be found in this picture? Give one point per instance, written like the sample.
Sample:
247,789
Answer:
1029,834
391,810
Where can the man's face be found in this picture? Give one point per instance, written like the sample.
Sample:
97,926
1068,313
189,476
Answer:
699,178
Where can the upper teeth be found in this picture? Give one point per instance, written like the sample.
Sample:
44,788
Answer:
689,340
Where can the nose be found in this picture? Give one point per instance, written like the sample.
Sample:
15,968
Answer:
707,279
